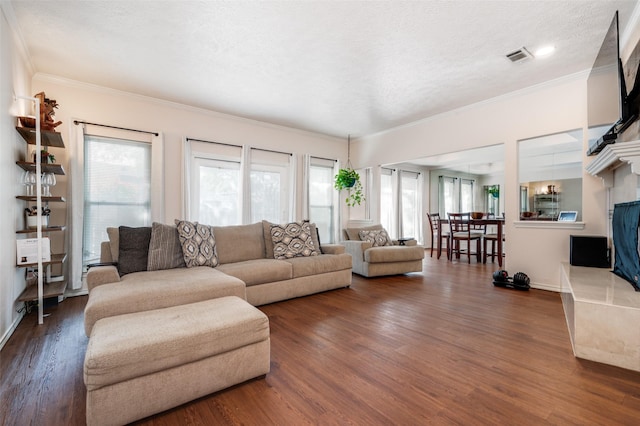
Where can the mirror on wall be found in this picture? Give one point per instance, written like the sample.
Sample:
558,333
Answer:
550,175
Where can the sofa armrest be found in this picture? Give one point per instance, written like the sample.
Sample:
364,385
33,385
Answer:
356,248
332,248
411,242
99,275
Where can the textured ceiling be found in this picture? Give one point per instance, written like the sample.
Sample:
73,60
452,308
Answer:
333,67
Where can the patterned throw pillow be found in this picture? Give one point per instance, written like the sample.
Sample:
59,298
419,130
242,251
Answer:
198,244
378,237
292,240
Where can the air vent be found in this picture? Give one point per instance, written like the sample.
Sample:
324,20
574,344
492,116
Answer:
519,55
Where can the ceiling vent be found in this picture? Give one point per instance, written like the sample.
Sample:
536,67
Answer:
520,55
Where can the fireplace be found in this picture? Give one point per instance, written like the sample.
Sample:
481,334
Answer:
626,219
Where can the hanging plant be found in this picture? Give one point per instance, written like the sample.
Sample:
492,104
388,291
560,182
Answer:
494,191
349,179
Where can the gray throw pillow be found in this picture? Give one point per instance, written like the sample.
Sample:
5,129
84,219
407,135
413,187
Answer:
198,244
165,250
292,240
377,237
133,249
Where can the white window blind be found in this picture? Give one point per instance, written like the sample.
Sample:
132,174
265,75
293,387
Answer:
321,197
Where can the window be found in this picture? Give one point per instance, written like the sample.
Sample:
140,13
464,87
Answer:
117,189
387,205
321,197
466,195
492,199
410,205
271,189
234,184
215,192
215,183
447,199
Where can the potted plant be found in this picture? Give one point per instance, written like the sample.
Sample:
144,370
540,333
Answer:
349,179
45,157
494,191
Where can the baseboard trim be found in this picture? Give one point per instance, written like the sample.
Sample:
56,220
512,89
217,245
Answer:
9,333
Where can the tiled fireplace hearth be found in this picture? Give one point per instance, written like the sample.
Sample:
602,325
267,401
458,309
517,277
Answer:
603,316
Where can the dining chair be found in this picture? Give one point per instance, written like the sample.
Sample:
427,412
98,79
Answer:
491,237
461,232
434,219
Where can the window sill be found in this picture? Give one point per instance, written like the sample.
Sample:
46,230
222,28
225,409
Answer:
542,224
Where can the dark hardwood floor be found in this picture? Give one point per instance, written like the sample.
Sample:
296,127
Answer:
440,347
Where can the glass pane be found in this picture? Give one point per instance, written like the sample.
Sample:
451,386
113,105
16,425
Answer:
466,195
386,204
219,196
321,201
409,207
449,197
265,196
117,192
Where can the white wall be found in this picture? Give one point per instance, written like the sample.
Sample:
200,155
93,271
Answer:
14,80
545,109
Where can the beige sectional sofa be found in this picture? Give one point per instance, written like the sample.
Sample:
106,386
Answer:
246,268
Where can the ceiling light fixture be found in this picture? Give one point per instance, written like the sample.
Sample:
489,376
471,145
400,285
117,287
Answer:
544,51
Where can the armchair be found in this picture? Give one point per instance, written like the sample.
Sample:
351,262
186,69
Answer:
371,259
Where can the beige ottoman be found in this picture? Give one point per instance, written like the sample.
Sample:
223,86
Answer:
143,363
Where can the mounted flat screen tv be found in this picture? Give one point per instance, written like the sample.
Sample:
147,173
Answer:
610,110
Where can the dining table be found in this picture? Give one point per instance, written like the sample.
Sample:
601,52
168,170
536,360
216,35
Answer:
498,221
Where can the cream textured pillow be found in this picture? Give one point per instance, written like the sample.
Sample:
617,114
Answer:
378,237
292,240
198,244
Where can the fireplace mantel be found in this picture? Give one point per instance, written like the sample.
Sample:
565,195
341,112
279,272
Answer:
614,156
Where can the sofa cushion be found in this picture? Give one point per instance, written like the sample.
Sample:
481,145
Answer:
133,249
143,291
268,242
292,240
114,242
305,266
352,233
165,250
393,254
378,237
198,244
169,337
239,243
258,271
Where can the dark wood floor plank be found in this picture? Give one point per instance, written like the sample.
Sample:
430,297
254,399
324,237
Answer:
440,347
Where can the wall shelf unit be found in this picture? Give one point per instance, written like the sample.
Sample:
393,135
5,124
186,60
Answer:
46,286
48,138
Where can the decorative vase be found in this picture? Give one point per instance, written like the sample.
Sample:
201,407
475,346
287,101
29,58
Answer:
32,222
